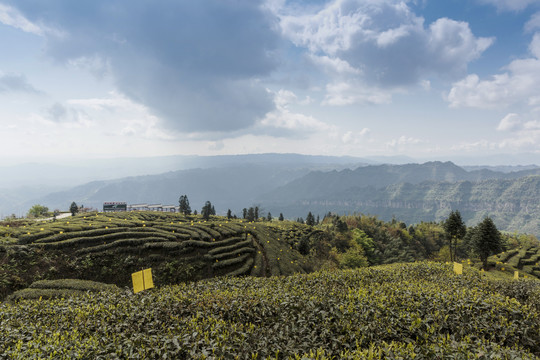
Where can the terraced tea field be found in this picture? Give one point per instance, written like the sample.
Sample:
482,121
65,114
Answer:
525,260
109,247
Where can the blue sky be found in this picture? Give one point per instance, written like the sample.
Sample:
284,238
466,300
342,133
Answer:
425,78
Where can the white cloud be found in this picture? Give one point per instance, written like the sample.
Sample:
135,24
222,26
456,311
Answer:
282,122
533,23
11,17
116,114
403,141
348,93
334,65
520,82
509,123
512,5
351,137
382,42
532,125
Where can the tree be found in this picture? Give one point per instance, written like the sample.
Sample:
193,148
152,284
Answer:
353,258
281,218
251,214
455,230
229,214
269,217
73,208
244,213
486,240
256,213
213,210
310,219
37,211
184,207
341,226
206,210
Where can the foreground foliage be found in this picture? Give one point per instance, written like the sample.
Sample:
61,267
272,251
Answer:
420,311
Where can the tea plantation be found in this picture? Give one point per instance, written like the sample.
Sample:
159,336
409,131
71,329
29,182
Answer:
525,260
109,247
400,311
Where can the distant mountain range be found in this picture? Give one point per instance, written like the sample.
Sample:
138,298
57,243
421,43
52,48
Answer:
296,184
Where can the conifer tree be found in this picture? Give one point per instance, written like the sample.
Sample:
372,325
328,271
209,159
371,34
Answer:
486,240
455,230
73,208
184,207
251,214
310,219
206,210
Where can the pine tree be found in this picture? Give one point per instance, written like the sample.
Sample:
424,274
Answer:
229,214
251,214
486,240
206,210
73,208
244,213
184,207
269,217
455,230
281,218
310,219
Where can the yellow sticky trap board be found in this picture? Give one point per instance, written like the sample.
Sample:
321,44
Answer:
516,275
458,268
142,280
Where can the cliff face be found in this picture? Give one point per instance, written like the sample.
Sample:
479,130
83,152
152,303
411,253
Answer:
514,204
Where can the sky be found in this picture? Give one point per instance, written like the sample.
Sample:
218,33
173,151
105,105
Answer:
129,78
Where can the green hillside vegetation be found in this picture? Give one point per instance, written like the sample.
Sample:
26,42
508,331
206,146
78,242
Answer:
525,260
107,248
401,311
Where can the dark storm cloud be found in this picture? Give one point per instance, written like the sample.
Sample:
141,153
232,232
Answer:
193,63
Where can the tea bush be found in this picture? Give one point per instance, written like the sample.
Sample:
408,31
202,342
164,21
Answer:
401,311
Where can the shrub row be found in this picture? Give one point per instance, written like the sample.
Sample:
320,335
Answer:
237,245
243,270
232,254
134,242
230,262
89,242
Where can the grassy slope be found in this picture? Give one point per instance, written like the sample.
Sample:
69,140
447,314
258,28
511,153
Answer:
418,310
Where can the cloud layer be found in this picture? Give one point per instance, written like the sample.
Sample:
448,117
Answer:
195,64
384,42
519,83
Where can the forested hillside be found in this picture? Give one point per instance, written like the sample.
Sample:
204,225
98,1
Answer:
513,204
